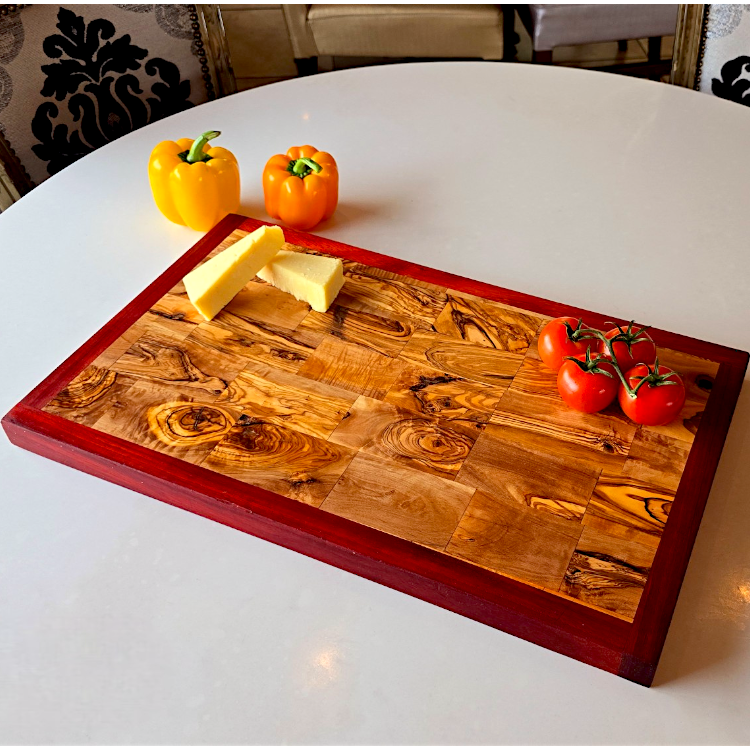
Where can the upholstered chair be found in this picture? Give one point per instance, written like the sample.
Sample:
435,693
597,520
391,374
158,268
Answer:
712,51
394,31
553,26
73,78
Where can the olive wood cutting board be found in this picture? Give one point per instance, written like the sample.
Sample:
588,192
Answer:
411,435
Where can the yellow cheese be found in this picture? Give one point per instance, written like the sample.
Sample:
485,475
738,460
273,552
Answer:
212,285
310,278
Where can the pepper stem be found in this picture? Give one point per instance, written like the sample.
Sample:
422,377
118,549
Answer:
196,150
303,166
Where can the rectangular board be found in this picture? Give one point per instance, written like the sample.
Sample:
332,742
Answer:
410,435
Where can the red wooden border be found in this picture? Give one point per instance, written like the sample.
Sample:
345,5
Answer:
593,637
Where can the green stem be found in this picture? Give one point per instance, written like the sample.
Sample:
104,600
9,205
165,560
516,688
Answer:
196,150
593,333
303,166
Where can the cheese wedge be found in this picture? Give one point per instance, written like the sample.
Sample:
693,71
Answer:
310,278
213,285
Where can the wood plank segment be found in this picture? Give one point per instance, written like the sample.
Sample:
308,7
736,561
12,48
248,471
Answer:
390,295
188,364
464,359
409,504
505,467
633,503
158,417
258,342
443,395
405,437
259,302
608,571
601,439
487,323
278,459
89,395
386,336
655,459
514,540
282,398
352,368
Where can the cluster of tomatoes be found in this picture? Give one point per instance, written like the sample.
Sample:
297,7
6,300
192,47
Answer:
594,368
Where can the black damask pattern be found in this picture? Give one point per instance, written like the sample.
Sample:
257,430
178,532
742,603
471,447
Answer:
93,75
734,83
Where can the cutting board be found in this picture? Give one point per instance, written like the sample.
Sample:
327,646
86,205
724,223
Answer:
411,435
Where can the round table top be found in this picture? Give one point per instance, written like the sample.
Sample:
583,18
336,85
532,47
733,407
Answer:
125,620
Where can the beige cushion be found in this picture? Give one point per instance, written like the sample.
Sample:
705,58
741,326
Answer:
559,25
408,30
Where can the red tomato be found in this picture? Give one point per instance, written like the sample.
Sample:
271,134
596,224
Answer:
558,340
641,349
588,383
659,400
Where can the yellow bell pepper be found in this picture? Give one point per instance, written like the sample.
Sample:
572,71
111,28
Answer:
194,184
301,188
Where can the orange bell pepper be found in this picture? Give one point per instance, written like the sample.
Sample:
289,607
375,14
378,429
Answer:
194,184
301,188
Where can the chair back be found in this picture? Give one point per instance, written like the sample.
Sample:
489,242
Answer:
75,77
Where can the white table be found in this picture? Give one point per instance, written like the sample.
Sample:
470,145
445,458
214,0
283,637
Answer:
124,620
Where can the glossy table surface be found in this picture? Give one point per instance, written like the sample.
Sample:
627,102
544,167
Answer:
123,620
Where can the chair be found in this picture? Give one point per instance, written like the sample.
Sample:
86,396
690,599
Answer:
394,31
73,78
712,50
553,26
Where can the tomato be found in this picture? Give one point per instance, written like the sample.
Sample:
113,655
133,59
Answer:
558,340
632,346
659,400
588,383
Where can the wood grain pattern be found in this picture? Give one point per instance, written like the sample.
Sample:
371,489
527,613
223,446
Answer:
515,541
487,323
279,397
276,458
258,342
632,502
162,419
443,395
173,313
504,466
353,368
386,336
89,395
188,364
449,469
405,437
464,359
608,571
408,504
259,302
655,459
533,404
391,295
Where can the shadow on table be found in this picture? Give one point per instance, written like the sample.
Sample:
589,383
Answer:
712,617
346,213
353,213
